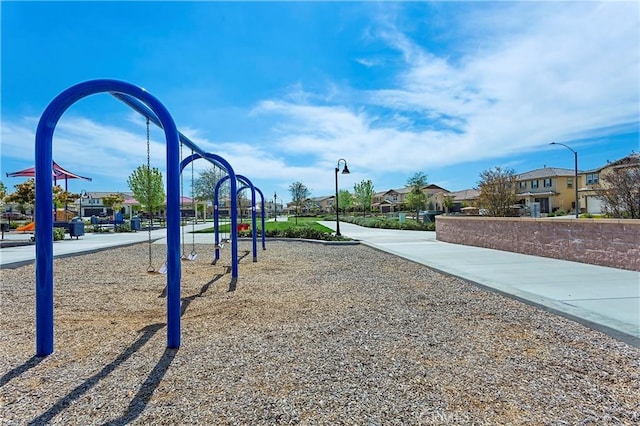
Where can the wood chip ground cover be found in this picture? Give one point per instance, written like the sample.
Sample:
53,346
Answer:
313,334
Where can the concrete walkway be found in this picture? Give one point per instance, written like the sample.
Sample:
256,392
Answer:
605,299
90,242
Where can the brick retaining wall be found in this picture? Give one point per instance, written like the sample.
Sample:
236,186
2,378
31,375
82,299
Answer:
606,242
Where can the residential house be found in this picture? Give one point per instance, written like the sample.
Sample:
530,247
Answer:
591,185
324,204
320,205
465,198
92,204
394,200
551,187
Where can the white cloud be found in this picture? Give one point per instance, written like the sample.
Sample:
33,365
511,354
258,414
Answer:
558,71
85,147
568,72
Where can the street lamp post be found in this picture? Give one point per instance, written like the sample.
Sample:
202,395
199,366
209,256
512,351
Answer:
575,175
275,207
345,171
83,194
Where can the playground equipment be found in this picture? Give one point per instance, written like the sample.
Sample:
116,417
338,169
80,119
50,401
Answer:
150,107
233,197
44,198
150,268
193,255
197,153
250,185
29,227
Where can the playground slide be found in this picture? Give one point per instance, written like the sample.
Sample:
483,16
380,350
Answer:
29,227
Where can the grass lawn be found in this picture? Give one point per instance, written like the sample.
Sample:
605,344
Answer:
303,222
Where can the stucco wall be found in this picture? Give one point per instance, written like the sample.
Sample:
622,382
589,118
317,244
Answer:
606,242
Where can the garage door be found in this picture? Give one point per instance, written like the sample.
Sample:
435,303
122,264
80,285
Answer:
594,205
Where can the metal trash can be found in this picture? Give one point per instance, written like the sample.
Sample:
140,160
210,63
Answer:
94,220
136,223
76,228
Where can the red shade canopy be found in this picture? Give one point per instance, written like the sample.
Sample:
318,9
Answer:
58,173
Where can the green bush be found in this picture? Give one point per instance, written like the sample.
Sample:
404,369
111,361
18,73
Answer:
58,234
306,233
384,223
124,227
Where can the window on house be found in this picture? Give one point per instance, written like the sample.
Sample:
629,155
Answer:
547,183
592,178
523,184
534,184
569,182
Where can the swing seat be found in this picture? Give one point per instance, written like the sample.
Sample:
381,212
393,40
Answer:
219,245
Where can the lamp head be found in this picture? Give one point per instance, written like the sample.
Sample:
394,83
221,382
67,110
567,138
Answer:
345,170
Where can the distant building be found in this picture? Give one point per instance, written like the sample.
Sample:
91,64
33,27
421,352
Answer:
553,188
591,185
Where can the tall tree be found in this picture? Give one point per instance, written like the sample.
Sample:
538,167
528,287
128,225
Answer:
147,187
497,191
114,202
3,191
62,197
620,191
345,200
364,194
204,186
448,202
416,198
299,192
24,194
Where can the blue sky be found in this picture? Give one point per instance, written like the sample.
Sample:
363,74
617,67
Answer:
283,90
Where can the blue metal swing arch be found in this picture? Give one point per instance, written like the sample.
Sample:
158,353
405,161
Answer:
249,185
233,235
197,153
44,198
254,189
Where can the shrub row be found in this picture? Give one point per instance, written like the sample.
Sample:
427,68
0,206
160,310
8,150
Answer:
384,223
305,233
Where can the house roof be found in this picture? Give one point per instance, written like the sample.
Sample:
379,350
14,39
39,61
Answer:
629,160
405,190
321,199
465,194
546,172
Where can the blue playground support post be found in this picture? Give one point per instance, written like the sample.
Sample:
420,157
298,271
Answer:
233,212
254,231
233,233
242,178
44,198
264,229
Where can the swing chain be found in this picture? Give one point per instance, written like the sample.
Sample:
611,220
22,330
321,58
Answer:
184,254
150,268
195,211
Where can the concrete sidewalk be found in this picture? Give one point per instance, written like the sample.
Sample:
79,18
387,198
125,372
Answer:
90,242
605,299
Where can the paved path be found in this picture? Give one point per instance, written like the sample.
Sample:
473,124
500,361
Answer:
90,242
606,299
